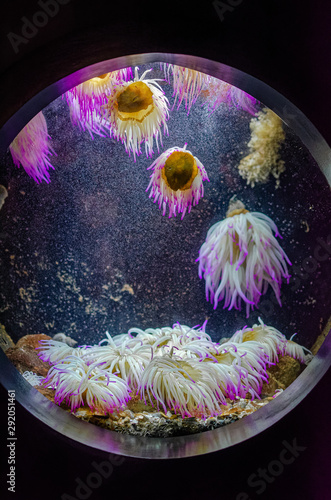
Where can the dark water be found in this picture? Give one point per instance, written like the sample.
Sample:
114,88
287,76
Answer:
90,252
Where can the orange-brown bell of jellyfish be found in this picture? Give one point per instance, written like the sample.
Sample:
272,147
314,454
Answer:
135,102
179,170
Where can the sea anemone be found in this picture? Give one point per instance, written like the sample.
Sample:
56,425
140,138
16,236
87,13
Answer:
188,342
76,383
187,84
31,149
227,377
250,361
184,386
242,100
52,351
176,368
250,355
146,337
93,122
177,180
297,351
270,339
218,92
136,111
127,358
33,378
86,101
241,257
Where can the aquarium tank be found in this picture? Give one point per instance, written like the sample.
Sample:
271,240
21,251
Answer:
165,256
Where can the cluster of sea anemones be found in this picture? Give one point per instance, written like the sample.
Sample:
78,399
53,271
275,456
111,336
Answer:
178,369
130,108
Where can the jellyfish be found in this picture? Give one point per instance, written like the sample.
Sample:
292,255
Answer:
177,180
87,99
187,84
31,149
241,257
136,111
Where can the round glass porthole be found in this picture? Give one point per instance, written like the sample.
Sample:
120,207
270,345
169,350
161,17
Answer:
165,253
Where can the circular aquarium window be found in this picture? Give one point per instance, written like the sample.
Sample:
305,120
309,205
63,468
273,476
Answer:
165,254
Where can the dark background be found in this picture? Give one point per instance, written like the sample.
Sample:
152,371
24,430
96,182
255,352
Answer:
285,44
